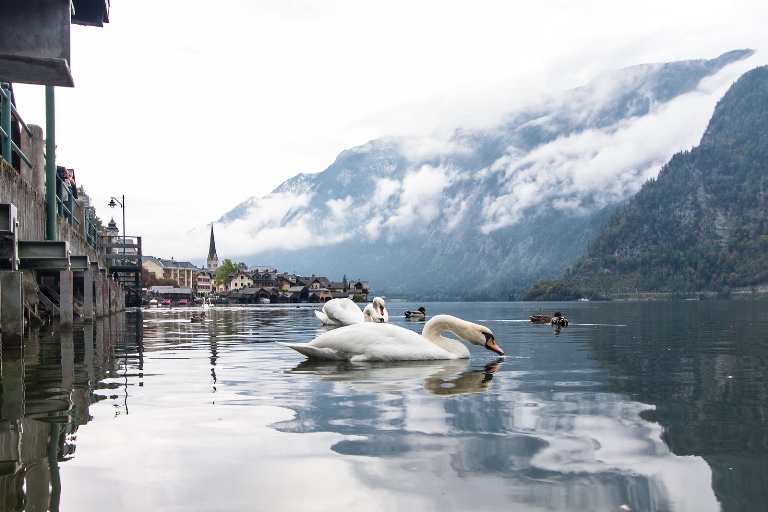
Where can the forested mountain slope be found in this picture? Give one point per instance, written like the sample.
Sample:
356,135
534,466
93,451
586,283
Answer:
702,225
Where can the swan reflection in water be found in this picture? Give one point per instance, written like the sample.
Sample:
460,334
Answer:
440,378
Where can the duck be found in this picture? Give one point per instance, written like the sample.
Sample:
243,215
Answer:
199,318
558,320
388,342
419,313
340,312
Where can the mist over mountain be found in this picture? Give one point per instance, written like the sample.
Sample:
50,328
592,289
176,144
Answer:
485,213
701,226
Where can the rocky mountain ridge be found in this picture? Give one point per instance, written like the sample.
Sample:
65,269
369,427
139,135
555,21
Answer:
484,213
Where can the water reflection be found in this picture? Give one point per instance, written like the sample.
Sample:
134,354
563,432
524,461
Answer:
561,448
635,406
442,378
48,388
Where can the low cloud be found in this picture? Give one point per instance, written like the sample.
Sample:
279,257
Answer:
420,197
588,170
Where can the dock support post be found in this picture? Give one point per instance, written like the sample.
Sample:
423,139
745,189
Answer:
67,304
98,294
11,307
88,295
105,295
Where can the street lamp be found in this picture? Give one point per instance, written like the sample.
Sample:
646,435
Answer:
113,201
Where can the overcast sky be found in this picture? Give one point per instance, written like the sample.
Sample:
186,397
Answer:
189,107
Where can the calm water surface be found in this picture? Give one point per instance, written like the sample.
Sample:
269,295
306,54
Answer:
658,406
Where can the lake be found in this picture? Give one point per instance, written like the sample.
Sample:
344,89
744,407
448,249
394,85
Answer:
635,406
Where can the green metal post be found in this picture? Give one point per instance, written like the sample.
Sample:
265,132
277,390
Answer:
50,164
5,122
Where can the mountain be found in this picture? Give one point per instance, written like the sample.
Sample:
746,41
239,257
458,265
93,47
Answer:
484,213
702,225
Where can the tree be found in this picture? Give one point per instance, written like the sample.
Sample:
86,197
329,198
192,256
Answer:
226,269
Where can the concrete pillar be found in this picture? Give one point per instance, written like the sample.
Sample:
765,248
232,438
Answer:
67,361
11,307
107,292
98,294
12,401
112,296
66,297
99,341
88,295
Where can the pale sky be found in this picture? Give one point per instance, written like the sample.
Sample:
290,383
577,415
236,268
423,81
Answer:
189,107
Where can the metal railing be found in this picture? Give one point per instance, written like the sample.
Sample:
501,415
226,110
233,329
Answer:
65,202
91,233
123,255
66,206
7,113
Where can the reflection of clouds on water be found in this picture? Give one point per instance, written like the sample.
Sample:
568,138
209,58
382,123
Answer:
544,450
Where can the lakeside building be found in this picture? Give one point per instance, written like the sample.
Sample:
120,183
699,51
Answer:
183,272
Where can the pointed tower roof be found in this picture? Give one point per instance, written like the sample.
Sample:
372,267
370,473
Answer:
212,248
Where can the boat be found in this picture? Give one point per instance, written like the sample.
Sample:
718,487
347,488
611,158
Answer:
183,302
153,303
166,302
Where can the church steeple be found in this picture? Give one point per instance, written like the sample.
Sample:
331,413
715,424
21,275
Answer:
213,259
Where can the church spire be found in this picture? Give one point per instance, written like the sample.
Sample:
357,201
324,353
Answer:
213,259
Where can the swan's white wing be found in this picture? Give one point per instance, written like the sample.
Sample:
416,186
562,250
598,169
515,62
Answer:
342,312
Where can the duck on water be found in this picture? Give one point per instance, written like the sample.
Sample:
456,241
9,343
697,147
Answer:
419,313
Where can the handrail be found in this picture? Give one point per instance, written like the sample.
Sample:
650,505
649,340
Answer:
91,233
64,206
8,146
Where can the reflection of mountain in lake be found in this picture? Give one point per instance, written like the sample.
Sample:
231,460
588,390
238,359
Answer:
708,381
544,437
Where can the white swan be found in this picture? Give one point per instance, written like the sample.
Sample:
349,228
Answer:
338,312
387,342
376,312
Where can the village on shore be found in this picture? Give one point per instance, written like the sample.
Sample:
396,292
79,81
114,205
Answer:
183,283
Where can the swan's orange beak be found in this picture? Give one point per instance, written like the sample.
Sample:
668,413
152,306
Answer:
490,344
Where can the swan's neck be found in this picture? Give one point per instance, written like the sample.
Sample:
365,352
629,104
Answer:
433,331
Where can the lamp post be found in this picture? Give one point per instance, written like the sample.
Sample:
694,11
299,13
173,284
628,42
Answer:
113,201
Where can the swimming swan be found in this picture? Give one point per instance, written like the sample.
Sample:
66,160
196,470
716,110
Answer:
376,312
338,312
387,342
